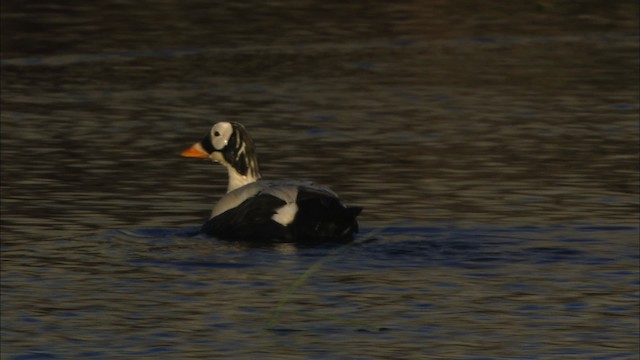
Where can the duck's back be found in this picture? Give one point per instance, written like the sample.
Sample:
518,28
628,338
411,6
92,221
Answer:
283,210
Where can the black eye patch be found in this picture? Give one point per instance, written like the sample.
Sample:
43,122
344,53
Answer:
207,145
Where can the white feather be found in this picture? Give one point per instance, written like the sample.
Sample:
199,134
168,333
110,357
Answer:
287,190
285,214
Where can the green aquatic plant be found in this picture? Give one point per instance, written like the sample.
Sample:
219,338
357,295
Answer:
277,312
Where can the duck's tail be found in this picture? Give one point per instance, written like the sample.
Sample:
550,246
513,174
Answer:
324,219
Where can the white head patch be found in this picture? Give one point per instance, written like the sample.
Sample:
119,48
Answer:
220,134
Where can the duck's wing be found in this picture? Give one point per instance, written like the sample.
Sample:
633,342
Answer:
250,220
236,197
286,190
282,210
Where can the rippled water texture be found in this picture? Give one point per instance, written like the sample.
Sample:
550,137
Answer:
495,149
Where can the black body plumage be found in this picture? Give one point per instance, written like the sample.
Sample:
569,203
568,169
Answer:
320,218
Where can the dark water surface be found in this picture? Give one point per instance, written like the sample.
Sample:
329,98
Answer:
495,149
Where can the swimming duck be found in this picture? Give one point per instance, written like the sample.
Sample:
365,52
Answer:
254,209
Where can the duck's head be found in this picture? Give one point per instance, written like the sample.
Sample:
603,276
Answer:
229,144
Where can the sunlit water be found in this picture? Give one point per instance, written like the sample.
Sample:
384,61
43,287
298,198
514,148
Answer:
494,149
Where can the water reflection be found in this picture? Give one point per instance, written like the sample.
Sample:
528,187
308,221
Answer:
440,284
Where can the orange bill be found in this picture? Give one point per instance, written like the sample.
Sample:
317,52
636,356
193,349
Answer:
196,151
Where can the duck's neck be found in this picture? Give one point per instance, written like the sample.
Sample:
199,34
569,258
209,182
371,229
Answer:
239,157
236,180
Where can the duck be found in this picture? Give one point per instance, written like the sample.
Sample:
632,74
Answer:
254,209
